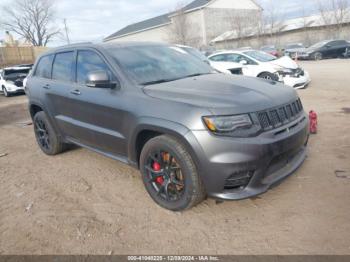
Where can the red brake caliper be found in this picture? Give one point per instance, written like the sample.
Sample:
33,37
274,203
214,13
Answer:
156,167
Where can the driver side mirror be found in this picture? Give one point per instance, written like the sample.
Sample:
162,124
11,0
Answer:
328,45
243,62
100,79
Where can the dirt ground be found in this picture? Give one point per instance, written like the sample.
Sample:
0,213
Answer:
82,203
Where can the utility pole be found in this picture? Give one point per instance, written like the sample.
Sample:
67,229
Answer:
66,30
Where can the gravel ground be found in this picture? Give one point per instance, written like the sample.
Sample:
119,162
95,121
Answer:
82,203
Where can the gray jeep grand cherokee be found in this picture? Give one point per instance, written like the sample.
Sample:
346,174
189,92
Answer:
192,132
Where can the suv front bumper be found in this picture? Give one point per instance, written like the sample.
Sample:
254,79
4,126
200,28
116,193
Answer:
267,159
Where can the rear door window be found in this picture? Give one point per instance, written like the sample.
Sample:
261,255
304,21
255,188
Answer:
44,66
63,65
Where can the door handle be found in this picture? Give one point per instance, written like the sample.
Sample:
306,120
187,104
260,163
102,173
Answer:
47,86
76,92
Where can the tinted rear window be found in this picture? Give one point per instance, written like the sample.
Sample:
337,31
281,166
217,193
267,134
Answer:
44,67
62,66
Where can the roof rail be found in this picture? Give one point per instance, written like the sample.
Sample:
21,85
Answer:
75,44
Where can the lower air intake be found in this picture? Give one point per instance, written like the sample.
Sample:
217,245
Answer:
238,180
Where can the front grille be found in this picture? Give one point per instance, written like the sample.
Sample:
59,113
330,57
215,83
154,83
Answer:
280,116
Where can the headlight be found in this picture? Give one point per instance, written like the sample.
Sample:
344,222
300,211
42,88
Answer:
285,71
227,123
235,126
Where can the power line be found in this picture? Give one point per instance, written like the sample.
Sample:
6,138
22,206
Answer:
66,30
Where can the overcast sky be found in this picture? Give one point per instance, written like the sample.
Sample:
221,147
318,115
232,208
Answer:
92,20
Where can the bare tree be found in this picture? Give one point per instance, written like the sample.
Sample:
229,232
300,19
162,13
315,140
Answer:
260,29
242,26
31,19
334,12
305,28
273,21
182,31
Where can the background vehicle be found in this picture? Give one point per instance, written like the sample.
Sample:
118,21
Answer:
189,130
293,50
222,67
260,64
270,49
326,49
11,79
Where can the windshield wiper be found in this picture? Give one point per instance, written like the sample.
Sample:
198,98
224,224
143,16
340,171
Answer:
171,79
197,74
158,81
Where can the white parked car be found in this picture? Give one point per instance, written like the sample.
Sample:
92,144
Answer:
11,79
25,81
260,64
222,67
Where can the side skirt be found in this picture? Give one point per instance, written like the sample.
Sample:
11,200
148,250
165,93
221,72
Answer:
115,157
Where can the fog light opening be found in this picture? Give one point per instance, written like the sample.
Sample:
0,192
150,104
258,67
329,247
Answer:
238,180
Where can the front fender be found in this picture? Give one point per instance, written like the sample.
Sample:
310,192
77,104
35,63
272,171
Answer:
161,126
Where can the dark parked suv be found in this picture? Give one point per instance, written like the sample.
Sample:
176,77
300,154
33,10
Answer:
192,132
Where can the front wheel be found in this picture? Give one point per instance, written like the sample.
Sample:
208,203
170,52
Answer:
268,76
170,175
6,93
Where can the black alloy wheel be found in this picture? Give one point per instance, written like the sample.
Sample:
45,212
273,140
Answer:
165,175
42,134
170,175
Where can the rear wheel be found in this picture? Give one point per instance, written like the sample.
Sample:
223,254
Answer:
170,175
46,136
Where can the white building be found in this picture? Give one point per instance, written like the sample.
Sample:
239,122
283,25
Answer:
307,30
207,19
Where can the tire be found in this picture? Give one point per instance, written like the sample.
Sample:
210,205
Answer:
6,93
318,56
268,76
46,136
192,189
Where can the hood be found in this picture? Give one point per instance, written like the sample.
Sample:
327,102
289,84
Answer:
285,62
224,94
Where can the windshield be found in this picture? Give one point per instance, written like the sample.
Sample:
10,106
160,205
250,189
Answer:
150,64
318,45
10,73
260,56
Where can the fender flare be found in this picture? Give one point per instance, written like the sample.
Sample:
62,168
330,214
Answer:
161,126
50,118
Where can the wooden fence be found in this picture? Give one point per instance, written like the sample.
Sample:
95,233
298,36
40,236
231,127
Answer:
19,55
